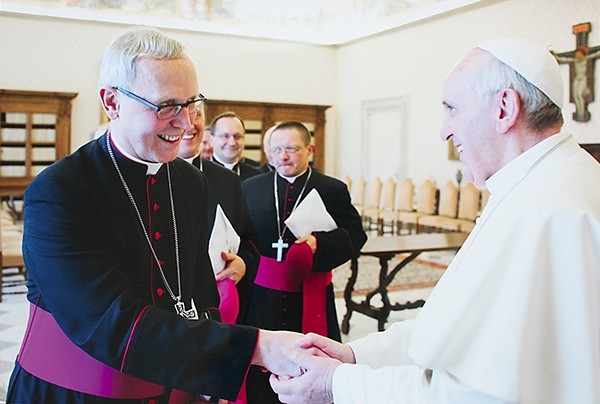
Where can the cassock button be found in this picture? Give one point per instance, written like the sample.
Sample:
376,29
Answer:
152,181
157,235
159,292
155,207
161,262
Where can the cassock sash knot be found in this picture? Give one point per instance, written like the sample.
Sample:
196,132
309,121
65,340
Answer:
47,353
230,301
293,274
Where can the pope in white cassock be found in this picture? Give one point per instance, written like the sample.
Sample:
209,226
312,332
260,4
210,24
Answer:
516,316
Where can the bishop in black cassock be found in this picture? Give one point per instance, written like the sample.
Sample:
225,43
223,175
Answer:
89,261
277,310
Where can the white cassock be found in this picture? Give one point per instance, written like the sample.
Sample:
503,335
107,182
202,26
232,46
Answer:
516,316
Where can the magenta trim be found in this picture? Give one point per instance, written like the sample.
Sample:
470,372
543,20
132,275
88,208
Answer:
48,354
137,320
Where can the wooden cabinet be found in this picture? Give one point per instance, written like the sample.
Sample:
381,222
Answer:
260,116
35,131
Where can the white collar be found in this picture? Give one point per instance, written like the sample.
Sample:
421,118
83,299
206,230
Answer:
228,165
292,179
503,180
151,168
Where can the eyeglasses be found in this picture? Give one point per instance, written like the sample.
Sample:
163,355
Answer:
168,111
226,136
288,149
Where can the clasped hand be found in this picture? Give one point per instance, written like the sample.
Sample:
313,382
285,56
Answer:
317,359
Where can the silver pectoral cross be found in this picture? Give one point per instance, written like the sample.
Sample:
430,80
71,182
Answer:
280,245
191,314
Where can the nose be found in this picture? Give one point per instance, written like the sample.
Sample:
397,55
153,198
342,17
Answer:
184,120
445,133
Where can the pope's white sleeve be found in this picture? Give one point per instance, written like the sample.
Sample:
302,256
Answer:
389,347
407,384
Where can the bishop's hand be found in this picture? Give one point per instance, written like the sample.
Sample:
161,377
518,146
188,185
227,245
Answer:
268,353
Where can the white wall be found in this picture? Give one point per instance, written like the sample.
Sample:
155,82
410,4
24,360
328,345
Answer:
408,64
47,54
412,62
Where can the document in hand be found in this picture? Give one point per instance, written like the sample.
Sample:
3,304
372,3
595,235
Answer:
310,215
222,238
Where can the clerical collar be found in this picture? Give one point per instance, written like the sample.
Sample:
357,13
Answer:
292,179
231,166
151,168
503,180
191,159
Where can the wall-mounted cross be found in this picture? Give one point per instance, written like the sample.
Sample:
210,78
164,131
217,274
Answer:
581,71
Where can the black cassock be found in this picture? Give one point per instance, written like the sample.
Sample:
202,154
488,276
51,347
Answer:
225,189
90,266
277,310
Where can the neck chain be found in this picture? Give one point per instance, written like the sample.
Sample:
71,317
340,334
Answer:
506,194
191,314
280,245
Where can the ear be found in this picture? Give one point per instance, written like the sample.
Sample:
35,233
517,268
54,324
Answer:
110,102
311,149
509,110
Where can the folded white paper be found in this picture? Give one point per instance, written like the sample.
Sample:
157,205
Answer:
222,238
310,215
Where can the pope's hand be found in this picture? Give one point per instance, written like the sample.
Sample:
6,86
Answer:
329,347
315,383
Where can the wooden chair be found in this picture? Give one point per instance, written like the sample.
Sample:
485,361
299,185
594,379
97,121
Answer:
405,193
372,207
468,211
447,209
348,181
388,205
358,195
427,194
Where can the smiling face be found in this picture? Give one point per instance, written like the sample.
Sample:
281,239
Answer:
137,127
190,143
469,121
228,139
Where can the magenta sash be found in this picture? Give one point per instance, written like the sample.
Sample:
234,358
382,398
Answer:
294,274
50,355
230,301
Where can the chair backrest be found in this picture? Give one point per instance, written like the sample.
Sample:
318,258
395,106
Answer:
388,197
448,205
405,197
426,197
348,181
468,203
358,192
375,193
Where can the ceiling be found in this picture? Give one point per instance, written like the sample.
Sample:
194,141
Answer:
323,22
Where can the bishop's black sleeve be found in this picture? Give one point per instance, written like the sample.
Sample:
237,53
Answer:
344,243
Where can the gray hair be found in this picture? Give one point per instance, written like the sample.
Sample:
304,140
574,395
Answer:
118,65
494,75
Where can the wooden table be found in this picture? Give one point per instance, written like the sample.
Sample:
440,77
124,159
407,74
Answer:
385,248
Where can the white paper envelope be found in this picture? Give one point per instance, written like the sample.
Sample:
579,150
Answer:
310,215
222,238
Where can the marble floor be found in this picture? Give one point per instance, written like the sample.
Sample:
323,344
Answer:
14,313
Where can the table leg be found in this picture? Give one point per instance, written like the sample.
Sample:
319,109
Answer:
348,295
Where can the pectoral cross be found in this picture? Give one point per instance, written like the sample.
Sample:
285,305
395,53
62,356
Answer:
280,245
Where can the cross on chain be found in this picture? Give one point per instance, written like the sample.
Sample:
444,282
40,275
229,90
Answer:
280,245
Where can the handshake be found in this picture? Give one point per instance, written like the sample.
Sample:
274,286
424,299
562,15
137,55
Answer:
302,366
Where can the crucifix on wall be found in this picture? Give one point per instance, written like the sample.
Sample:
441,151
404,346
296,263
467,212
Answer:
581,71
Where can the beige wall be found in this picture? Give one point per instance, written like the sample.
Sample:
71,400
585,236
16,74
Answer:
63,55
48,54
